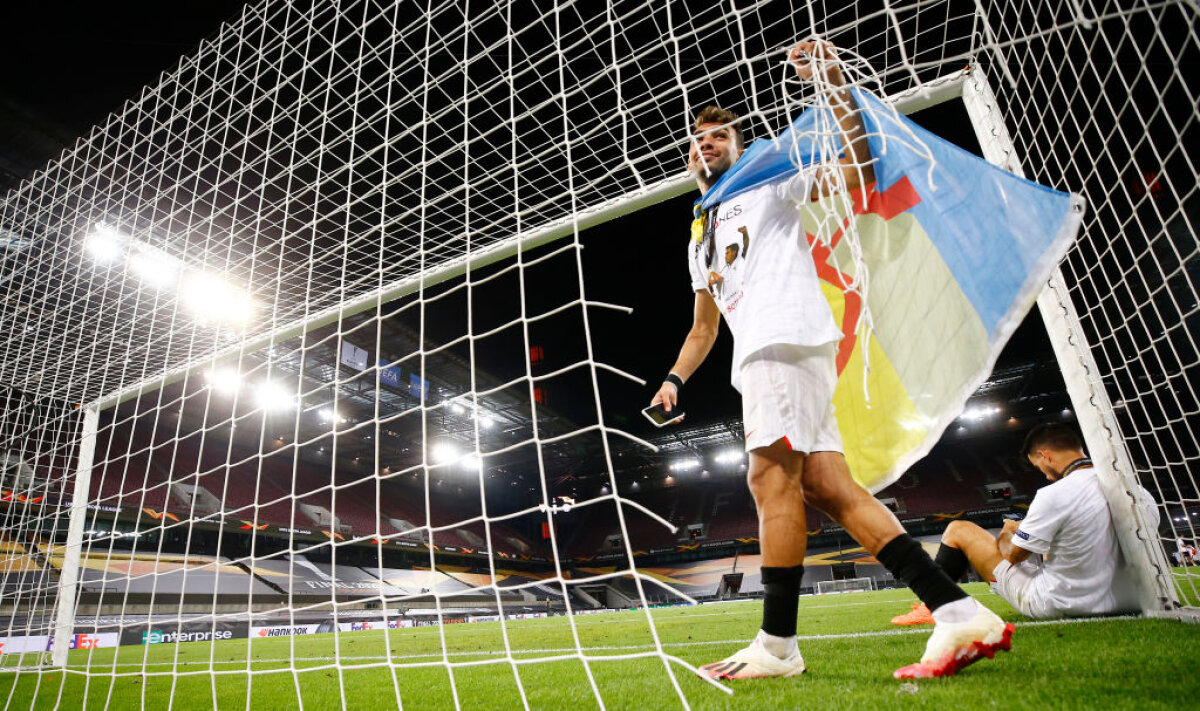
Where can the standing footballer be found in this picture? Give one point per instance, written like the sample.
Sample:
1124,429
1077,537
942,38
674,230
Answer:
751,264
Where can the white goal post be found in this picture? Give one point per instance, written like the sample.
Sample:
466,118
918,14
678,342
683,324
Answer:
1101,433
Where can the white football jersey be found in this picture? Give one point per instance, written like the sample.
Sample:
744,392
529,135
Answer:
1081,571
756,264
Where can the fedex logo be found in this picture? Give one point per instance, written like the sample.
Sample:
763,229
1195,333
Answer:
372,625
78,641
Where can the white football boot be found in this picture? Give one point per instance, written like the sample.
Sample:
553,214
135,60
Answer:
955,645
754,662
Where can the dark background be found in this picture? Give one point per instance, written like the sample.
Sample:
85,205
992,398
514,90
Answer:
72,64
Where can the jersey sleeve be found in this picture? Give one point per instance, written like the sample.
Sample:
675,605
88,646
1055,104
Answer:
1041,524
698,281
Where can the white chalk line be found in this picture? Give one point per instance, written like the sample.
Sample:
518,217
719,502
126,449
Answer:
638,648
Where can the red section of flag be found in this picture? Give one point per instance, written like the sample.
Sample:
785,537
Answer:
900,197
545,529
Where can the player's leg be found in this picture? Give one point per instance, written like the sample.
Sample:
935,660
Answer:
829,487
965,630
965,543
774,476
779,430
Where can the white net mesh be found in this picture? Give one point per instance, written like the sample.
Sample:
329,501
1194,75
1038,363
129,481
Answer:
1104,105
304,280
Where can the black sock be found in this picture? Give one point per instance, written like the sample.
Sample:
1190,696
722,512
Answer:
908,562
781,597
953,561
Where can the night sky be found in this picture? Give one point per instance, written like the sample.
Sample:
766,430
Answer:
81,61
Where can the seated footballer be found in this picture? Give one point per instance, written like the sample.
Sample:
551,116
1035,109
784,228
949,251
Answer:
1062,559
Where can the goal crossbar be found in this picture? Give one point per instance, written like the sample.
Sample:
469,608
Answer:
943,89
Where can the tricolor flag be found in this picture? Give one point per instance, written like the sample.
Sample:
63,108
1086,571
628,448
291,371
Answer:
955,250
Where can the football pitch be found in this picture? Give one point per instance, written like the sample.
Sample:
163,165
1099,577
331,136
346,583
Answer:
847,640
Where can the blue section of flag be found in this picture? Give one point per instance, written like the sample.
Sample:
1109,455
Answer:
990,227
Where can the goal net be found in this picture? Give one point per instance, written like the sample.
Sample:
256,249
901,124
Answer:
824,587
302,366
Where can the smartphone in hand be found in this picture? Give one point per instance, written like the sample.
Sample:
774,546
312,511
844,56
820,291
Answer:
660,417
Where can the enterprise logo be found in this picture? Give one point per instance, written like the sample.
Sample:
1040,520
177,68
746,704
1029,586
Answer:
156,637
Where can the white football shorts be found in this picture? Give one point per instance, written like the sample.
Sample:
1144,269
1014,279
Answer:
1017,584
787,393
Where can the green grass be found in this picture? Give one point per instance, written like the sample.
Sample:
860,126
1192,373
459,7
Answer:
1187,584
850,647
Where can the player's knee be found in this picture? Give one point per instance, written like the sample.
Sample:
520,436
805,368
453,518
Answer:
768,482
760,479
954,532
832,496
819,496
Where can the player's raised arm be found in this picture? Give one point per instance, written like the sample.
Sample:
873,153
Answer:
705,322
816,60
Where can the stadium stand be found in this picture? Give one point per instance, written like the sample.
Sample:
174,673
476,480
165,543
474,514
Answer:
950,481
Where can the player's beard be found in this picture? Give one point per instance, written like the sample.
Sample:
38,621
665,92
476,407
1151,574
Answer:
715,169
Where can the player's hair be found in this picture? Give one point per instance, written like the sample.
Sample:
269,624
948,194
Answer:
1052,435
716,114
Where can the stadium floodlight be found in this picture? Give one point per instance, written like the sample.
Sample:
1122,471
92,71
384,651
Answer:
457,407
104,244
271,396
729,456
331,414
487,422
443,452
979,413
684,465
226,381
472,462
154,267
214,300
